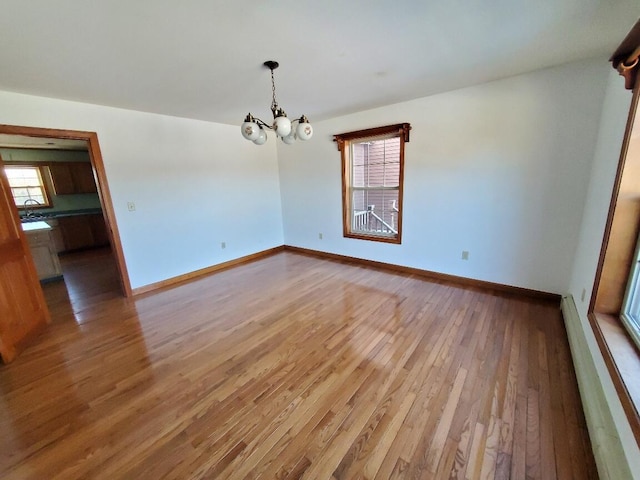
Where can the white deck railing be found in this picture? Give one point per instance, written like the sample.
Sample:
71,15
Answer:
367,221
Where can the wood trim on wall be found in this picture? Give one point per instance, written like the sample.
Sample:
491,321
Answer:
609,359
614,198
626,57
402,129
618,382
101,182
429,274
442,277
107,209
169,282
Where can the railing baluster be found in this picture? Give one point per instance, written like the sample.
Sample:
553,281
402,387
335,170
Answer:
369,221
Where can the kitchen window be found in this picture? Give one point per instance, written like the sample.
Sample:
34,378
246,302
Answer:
27,186
372,178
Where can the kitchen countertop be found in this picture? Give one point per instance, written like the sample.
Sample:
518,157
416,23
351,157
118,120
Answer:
33,226
38,217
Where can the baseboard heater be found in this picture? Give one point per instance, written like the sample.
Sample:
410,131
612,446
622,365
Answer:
607,448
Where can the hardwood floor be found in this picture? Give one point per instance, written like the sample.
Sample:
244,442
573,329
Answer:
292,367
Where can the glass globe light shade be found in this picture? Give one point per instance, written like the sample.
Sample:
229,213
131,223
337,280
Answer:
250,130
262,138
282,126
289,139
304,130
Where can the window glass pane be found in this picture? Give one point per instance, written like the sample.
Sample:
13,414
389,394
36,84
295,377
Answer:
359,200
27,186
358,153
375,211
357,177
376,163
20,192
388,205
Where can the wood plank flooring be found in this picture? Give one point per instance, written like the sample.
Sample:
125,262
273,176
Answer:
292,367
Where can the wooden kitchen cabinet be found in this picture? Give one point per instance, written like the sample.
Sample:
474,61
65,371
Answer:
44,254
56,236
70,178
83,180
99,231
76,232
83,231
62,179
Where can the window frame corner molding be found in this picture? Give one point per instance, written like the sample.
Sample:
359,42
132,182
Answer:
344,142
402,129
626,58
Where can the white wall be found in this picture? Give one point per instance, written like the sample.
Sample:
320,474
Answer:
498,169
195,184
614,435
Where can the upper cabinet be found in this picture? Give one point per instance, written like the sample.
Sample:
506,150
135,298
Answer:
72,178
62,179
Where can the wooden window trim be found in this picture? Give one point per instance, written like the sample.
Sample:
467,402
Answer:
343,141
610,349
45,185
609,352
626,58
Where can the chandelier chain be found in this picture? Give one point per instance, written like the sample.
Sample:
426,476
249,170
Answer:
274,103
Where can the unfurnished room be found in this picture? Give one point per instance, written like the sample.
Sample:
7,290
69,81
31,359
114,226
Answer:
319,240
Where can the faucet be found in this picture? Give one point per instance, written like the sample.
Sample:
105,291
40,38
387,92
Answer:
28,207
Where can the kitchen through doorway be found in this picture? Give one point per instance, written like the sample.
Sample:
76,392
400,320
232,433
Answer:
73,225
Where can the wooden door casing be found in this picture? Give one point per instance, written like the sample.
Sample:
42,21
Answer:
101,185
23,310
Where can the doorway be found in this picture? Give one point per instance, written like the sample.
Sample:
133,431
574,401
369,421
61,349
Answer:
113,256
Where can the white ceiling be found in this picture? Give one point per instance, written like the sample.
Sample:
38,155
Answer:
203,59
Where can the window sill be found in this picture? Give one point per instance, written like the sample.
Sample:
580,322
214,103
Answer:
374,238
623,361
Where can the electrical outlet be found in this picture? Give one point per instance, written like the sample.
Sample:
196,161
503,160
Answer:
320,236
465,255
131,206
223,244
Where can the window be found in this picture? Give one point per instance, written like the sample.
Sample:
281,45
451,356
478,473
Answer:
27,186
630,313
372,173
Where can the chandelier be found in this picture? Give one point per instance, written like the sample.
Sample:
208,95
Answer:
253,128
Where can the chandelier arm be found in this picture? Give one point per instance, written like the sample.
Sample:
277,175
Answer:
262,123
